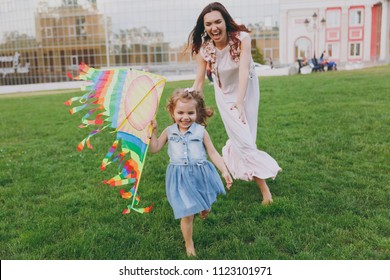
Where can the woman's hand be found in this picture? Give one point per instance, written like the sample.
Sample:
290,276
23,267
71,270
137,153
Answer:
240,110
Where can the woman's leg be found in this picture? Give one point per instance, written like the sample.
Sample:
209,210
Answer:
265,192
186,225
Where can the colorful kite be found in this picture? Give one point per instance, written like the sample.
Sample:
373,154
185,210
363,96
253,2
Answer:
125,100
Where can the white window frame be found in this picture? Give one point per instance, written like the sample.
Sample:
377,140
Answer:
333,18
267,53
74,60
357,52
335,50
49,32
71,30
304,47
354,18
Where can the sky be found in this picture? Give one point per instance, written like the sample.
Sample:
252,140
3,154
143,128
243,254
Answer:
175,18
179,16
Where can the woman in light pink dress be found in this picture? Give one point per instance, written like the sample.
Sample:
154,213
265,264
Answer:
226,46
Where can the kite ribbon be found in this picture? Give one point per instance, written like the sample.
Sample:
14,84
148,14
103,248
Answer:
148,209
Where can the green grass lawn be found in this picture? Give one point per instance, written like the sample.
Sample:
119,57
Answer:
328,131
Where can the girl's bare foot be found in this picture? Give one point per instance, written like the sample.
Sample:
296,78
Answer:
186,228
204,214
190,250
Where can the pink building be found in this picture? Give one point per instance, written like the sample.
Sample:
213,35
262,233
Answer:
349,31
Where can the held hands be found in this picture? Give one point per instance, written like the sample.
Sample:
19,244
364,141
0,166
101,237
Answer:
228,179
240,109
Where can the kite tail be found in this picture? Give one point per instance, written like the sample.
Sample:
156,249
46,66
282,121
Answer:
118,181
106,161
128,175
79,108
85,72
127,195
81,99
86,140
97,120
139,210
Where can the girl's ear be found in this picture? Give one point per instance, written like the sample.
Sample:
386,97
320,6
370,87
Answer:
172,116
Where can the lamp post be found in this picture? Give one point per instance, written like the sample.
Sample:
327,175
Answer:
107,41
314,28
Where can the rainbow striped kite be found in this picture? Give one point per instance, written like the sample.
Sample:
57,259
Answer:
125,100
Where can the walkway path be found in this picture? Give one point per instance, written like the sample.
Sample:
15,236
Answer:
69,85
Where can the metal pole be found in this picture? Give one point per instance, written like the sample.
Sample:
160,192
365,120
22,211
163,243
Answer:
315,33
107,45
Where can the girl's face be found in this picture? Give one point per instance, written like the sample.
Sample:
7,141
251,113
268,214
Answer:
184,114
215,27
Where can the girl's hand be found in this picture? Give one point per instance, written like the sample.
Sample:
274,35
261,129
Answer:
228,179
240,110
153,127
153,124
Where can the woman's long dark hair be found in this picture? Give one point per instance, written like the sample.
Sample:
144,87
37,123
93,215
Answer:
195,37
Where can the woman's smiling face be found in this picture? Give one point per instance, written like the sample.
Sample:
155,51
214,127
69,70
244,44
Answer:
215,27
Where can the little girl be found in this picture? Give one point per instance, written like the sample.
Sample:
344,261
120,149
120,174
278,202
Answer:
192,182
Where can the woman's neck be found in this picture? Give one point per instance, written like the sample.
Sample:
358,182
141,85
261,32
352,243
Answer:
221,45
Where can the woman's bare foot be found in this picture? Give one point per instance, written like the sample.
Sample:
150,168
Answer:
267,201
265,192
204,214
267,197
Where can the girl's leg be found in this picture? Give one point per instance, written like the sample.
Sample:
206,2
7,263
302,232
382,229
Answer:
265,192
186,225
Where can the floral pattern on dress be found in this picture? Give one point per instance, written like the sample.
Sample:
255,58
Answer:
210,53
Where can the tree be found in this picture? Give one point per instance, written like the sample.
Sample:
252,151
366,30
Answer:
258,56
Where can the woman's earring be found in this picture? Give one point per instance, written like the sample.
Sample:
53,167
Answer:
204,34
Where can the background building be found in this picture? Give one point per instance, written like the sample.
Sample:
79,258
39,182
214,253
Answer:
42,40
350,31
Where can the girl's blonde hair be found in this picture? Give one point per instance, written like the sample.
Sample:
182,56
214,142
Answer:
202,112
